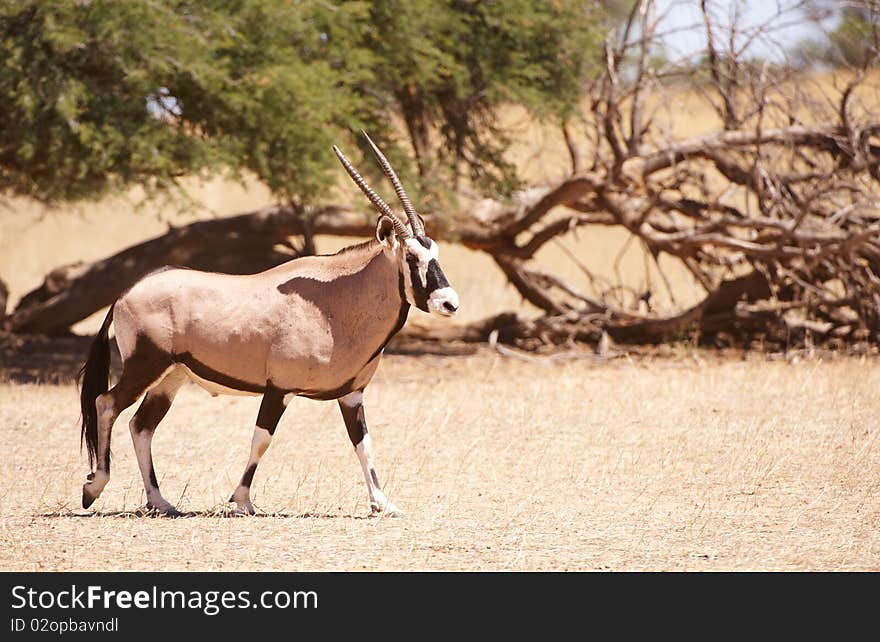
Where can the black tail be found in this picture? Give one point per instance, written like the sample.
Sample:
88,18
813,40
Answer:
94,379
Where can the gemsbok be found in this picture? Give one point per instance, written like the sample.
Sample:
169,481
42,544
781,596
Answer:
313,327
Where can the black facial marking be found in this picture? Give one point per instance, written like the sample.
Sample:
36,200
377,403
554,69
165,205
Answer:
435,277
271,408
248,476
424,241
419,292
355,422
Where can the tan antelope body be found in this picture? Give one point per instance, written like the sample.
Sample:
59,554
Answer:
314,327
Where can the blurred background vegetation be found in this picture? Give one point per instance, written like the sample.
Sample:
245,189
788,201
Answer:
513,123
99,95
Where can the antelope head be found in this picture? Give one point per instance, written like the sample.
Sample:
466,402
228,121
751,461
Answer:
417,255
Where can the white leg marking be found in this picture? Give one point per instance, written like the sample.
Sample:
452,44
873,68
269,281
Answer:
352,399
142,449
378,501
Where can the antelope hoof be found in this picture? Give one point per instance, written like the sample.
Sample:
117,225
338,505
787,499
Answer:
241,499
163,510
87,499
90,491
388,510
246,511
243,508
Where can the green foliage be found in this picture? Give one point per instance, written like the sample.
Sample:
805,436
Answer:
449,64
852,42
74,86
290,86
97,95
855,37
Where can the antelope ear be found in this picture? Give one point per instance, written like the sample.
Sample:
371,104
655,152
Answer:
385,233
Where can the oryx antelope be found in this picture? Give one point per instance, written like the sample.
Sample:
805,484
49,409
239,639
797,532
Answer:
314,327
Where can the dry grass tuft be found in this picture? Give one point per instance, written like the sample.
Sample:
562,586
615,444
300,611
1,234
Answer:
672,465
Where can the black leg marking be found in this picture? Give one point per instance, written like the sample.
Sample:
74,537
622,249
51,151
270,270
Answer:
143,426
145,365
355,422
415,278
271,408
143,368
151,411
248,476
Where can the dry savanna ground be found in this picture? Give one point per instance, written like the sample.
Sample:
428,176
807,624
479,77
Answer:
676,464
687,462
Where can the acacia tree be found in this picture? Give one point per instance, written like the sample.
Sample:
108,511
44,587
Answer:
102,95
774,214
851,41
99,96
447,71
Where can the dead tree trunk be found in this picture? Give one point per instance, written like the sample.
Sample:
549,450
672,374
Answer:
4,296
241,244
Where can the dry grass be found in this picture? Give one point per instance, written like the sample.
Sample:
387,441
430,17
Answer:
498,464
678,464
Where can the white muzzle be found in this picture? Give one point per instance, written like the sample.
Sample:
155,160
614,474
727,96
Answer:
443,302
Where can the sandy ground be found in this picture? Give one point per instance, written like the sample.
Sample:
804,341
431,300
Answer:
683,463
689,463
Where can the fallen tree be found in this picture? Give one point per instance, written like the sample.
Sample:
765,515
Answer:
240,244
776,215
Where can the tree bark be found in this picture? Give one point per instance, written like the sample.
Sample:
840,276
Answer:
4,296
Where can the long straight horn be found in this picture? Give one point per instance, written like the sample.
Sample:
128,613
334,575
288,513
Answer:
414,221
380,205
